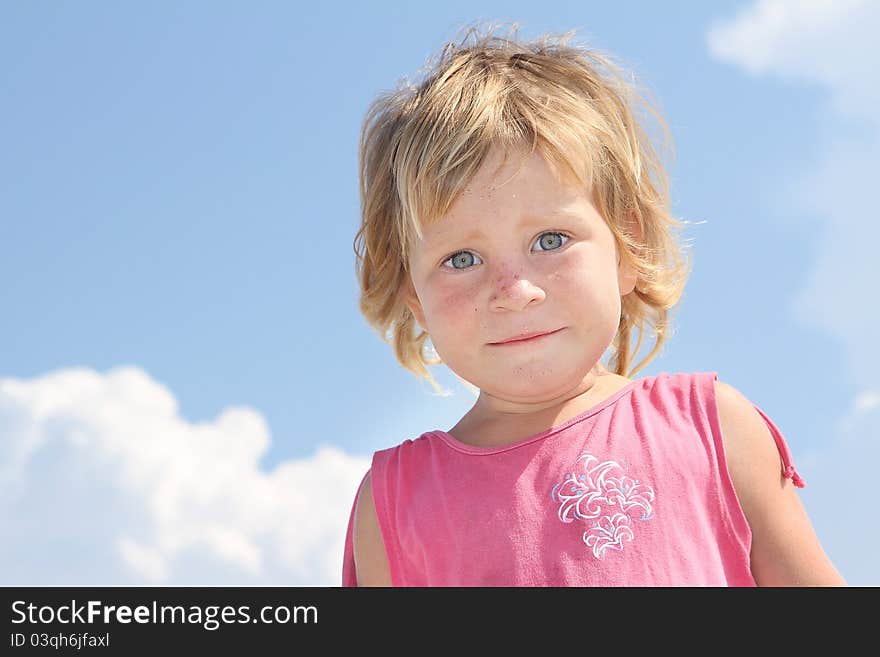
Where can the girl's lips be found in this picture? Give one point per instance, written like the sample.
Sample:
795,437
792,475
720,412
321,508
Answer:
523,341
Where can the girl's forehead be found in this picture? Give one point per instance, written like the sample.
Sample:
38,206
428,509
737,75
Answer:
508,169
513,187
518,207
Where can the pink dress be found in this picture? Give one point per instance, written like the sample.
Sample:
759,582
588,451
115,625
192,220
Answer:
633,492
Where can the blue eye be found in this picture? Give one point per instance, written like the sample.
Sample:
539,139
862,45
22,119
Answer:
466,258
462,258
544,242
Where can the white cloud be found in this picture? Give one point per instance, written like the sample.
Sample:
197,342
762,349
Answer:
143,560
829,42
833,45
100,473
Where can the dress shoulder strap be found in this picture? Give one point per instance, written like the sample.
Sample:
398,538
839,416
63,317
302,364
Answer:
706,381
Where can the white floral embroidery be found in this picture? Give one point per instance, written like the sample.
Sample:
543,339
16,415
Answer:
595,494
609,533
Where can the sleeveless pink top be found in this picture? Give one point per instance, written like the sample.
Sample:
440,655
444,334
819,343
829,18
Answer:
633,492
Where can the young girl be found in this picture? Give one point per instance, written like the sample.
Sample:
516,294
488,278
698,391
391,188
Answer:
514,210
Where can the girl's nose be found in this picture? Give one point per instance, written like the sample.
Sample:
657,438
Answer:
515,292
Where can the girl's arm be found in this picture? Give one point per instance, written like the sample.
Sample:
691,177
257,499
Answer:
370,560
785,549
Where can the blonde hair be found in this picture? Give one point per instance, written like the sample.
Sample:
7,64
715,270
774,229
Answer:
421,144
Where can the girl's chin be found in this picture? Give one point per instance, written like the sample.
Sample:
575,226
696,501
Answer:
531,387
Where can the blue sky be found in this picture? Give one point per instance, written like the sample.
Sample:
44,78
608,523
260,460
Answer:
185,368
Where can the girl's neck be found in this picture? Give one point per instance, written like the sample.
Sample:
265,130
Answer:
493,423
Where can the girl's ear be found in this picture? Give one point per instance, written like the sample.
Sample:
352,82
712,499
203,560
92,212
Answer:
412,302
627,277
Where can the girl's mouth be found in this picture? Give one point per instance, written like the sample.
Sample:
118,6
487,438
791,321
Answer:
526,340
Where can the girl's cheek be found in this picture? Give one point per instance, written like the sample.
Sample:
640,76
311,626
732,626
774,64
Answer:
575,276
457,302
460,300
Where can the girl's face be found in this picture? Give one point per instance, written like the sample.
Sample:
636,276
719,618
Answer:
512,258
